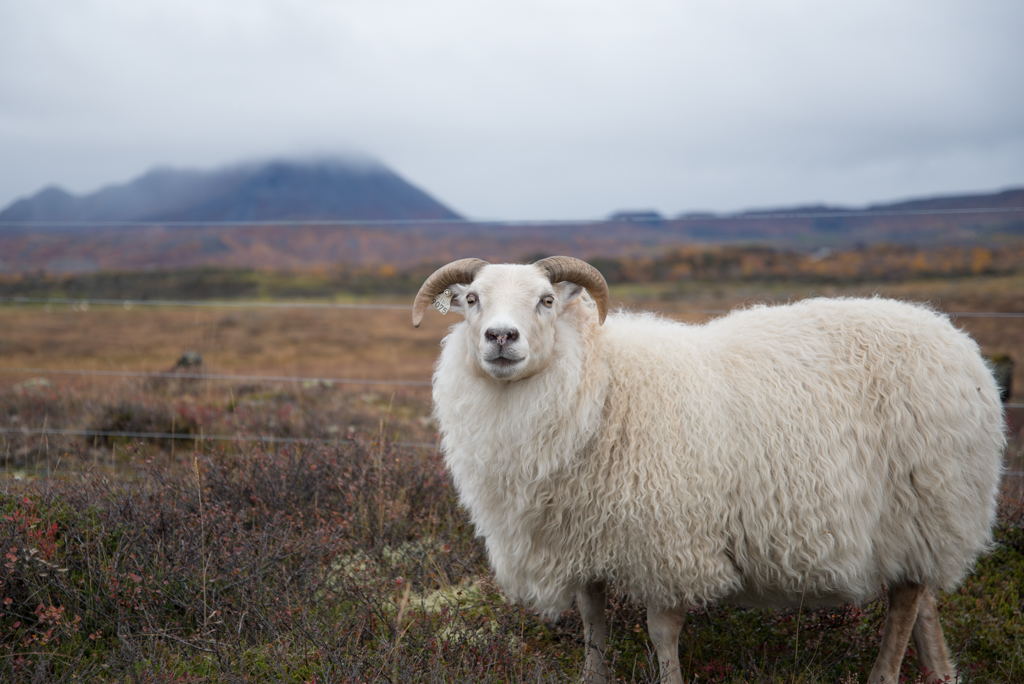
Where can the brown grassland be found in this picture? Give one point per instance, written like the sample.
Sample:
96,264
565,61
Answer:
346,558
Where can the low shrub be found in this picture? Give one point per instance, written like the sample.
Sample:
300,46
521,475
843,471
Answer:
354,563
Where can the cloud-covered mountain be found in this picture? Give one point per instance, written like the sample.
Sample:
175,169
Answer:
307,191
275,190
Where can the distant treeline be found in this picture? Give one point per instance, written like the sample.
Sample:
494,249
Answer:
882,262
216,283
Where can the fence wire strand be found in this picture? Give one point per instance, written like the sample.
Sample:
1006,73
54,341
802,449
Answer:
241,304
248,304
499,223
270,439
216,376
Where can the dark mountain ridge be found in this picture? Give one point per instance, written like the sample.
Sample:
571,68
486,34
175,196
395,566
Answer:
237,217
1010,197
275,190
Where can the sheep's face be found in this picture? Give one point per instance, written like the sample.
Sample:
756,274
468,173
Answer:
510,314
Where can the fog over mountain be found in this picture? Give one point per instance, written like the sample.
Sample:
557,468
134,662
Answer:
38,235
273,190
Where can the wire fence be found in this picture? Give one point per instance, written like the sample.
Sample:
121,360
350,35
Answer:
202,303
251,304
241,304
294,379
198,437
171,375
613,220
305,380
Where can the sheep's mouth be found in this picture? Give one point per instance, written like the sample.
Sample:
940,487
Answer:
503,361
503,367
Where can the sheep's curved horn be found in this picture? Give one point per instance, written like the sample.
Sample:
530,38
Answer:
461,271
559,268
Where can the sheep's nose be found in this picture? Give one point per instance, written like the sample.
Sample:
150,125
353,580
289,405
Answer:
502,335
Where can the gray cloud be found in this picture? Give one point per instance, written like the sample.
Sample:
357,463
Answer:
527,109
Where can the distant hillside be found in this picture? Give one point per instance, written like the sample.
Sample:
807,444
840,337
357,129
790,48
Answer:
1013,197
276,190
1006,198
925,221
255,194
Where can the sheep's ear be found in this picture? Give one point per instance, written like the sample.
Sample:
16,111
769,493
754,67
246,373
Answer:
449,300
566,292
458,302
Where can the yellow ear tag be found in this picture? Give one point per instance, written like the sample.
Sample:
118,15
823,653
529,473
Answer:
443,302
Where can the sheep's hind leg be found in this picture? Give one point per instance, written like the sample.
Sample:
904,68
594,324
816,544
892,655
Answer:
592,600
899,621
929,642
663,626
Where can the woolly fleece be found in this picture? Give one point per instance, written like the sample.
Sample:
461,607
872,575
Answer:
778,455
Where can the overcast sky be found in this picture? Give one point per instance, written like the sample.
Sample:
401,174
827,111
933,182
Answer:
528,108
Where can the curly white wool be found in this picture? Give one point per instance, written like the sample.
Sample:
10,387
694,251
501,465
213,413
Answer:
780,454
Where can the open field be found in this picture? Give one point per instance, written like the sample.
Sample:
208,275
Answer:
163,560
382,344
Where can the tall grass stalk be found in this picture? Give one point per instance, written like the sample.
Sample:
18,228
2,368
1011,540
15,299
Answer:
202,533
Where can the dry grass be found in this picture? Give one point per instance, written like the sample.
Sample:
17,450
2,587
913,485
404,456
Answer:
382,343
379,344
352,562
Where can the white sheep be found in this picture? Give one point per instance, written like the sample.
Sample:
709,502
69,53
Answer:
778,456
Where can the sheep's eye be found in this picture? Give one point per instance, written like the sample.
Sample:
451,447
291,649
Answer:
470,299
548,301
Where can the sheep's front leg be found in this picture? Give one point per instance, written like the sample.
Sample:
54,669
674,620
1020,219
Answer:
664,626
592,600
929,642
899,621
